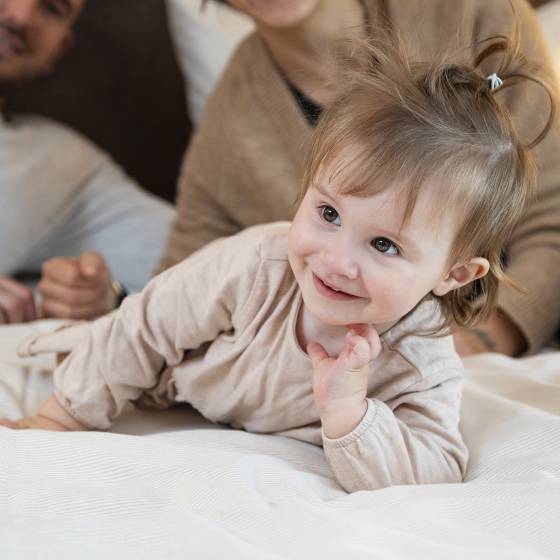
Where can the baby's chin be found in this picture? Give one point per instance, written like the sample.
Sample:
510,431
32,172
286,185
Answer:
379,323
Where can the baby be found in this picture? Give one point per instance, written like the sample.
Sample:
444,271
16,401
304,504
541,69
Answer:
333,329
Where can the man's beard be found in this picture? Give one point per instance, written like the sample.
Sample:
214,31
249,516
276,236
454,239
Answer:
16,36
18,46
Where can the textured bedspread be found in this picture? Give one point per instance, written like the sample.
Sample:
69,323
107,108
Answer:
187,489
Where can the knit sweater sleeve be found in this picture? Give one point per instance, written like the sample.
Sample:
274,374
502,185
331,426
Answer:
244,165
209,176
533,253
120,356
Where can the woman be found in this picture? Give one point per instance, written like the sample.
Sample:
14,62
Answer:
245,163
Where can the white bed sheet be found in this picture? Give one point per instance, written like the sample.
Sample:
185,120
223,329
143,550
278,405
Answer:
187,489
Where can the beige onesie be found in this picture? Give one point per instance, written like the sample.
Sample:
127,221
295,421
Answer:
218,331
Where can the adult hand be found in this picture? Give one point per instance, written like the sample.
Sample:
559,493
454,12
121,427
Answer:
498,334
76,287
17,304
340,384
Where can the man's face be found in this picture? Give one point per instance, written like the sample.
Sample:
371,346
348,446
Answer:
33,35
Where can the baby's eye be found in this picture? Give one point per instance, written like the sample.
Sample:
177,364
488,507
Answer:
329,214
384,245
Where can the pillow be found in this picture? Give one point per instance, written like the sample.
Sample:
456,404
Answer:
204,38
122,87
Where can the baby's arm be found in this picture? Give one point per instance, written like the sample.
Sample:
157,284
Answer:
115,359
340,384
51,416
413,439
371,444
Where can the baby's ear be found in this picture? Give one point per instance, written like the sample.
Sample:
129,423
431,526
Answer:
462,274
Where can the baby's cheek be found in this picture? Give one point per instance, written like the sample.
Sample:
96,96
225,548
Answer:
399,295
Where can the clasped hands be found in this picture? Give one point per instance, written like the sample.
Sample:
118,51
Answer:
70,288
340,384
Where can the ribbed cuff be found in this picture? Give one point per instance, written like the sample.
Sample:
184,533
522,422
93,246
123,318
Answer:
358,431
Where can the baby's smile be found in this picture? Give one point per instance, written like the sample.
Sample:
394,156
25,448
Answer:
330,291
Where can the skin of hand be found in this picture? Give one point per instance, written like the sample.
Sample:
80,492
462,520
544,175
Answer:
17,304
76,287
340,384
498,334
51,416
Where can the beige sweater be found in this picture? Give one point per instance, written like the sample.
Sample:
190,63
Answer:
218,331
245,163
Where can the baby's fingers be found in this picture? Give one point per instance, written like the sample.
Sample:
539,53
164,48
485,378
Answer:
358,351
23,424
317,353
370,334
8,424
33,423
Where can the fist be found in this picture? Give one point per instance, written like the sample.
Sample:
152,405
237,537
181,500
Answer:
17,304
340,384
76,287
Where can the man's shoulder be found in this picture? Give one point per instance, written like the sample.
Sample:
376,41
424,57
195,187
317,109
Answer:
41,133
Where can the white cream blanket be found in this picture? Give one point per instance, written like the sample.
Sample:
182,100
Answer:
187,489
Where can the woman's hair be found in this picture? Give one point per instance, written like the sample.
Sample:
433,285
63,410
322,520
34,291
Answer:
439,126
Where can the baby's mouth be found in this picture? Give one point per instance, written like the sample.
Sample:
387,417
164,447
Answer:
330,291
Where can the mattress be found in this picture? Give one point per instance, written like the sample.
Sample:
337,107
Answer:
169,484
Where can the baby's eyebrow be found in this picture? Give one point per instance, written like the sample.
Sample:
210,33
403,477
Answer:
323,190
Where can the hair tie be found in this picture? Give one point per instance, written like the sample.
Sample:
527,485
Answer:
494,81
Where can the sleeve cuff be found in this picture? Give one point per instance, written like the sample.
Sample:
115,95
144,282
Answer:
358,431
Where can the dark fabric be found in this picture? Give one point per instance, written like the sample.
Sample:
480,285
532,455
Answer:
121,86
311,110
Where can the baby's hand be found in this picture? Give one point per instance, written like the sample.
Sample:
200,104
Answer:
33,423
51,416
340,385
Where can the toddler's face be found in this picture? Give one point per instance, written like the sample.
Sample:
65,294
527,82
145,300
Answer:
355,264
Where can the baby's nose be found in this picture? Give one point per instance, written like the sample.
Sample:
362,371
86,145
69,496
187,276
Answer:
341,261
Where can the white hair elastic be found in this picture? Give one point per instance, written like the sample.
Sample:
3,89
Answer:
495,81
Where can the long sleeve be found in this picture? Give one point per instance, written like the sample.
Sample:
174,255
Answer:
244,164
533,254
206,187
413,440
110,214
68,205
123,354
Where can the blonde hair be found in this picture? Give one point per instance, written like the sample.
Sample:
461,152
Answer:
437,125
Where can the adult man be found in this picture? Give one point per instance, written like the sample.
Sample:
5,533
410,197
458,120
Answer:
60,194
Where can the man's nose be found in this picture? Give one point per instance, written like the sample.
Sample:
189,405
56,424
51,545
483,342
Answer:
340,259
18,13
